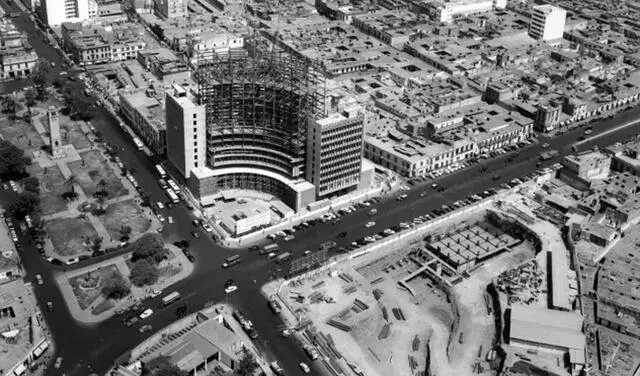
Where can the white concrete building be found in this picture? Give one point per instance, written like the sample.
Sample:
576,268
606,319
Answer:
547,22
446,11
186,131
55,12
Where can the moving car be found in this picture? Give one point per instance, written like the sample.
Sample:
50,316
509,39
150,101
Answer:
49,306
230,289
305,368
58,363
160,205
39,279
195,234
155,292
370,224
146,313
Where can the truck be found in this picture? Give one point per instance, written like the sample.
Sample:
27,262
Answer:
311,352
273,247
275,367
283,257
246,324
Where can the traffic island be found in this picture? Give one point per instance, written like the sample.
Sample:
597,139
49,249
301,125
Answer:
94,293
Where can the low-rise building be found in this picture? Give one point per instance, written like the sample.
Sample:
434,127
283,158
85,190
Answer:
98,45
581,170
146,116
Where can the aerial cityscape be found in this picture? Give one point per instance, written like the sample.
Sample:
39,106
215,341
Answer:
326,187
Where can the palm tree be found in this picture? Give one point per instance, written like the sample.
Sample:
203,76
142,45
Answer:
71,181
102,185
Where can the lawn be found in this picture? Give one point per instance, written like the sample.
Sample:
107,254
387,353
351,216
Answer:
52,186
71,133
70,236
94,170
125,213
22,135
87,287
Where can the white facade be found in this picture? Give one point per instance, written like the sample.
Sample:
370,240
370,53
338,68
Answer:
547,22
199,43
186,131
445,12
55,12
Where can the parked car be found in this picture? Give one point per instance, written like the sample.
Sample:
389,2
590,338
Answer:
145,328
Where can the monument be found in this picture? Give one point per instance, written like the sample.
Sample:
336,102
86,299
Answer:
54,133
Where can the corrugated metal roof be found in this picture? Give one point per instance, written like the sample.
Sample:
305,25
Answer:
546,326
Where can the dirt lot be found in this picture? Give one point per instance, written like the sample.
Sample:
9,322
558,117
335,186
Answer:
378,341
96,169
125,213
70,236
52,186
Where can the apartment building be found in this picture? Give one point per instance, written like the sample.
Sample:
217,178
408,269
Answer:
547,22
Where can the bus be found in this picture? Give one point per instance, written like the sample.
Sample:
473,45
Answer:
232,260
172,195
161,171
273,247
138,143
173,185
170,298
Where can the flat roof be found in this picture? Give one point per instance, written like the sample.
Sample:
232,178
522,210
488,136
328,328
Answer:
547,326
559,278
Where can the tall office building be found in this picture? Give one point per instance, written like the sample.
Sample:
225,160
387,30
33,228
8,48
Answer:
334,152
171,9
547,22
55,12
186,131
266,129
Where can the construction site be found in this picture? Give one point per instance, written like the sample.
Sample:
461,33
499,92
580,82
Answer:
258,101
405,311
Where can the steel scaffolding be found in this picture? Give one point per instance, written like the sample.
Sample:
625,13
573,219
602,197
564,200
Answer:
258,101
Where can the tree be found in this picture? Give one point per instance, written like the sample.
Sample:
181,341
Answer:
30,97
102,185
31,184
246,365
96,244
161,366
150,247
146,200
13,162
115,287
26,203
40,78
9,106
125,232
71,181
143,273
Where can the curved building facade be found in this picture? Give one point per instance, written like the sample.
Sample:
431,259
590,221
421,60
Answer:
257,104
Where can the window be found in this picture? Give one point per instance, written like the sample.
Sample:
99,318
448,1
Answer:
195,122
195,164
195,143
195,136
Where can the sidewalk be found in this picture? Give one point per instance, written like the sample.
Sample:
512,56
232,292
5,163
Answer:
137,293
298,218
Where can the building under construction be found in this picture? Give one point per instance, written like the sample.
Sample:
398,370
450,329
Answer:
258,102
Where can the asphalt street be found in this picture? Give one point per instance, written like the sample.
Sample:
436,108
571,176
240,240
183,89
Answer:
93,348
